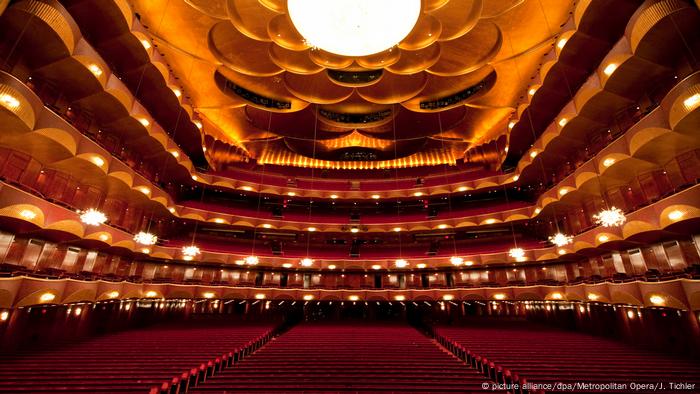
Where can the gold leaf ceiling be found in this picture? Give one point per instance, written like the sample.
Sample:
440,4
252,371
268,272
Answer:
456,77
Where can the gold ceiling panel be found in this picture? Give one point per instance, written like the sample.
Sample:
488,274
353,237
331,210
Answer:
381,59
279,6
250,18
241,53
283,33
437,87
316,88
213,8
458,17
329,60
270,87
297,62
432,5
469,52
415,61
426,32
394,88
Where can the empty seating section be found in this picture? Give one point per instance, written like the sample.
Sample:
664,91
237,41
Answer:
131,361
545,356
348,358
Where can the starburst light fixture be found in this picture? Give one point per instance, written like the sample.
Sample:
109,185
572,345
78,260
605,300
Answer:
190,251
144,238
93,217
560,239
611,217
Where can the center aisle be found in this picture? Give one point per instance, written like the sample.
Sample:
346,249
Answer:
348,358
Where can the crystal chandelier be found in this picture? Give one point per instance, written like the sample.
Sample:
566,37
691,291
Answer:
144,238
456,260
516,253
611,217
93,217
252,260
190,251
560,239
401,263
307,262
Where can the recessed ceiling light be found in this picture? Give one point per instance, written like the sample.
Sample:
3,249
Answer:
608,162
146,44
561,43
609,69
692,101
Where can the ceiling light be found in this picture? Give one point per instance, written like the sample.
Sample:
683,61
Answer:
146,44
311,229
145,250
533,154
400,263
4,315
198,124
561,43
608,162
354,27
562,122
376,267
462,189
657,300
177,92
557,296
103,237
113,294
334,196
511,124
353,298
260,296
442,226
291,194
609,69
562,251
354,230
47,297
448,297
144,189
246,188
287,265
516,177
331,267
399,297
420,265
563,191
93,217
516,253
195,177
692,101
610,217
456,260
532,91
190,251
95,70
97,160
306,262
397,229
252,260
8,101
603,238
676,215
538,210
593,296
376,196
308,297
469,263
172,210
219,220
27,214
490,221
560,239
144,122
267,225
499,296
145,238
208,294
418,194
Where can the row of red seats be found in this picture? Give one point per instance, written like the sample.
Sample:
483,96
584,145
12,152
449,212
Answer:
562,359
349,358
130,361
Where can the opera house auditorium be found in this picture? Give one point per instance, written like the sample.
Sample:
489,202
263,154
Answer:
349,196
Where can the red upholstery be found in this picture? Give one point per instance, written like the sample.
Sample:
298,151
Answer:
131,361
332,358
549,356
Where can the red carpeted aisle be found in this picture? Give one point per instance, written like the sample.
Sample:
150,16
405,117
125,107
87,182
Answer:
348,358
131,361
549,356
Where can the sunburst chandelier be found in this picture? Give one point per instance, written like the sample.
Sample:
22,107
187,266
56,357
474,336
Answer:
560,239
190,251
306,262
145,238
456,261
401,263
354,27
93,217
252,260
516,253
611,217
